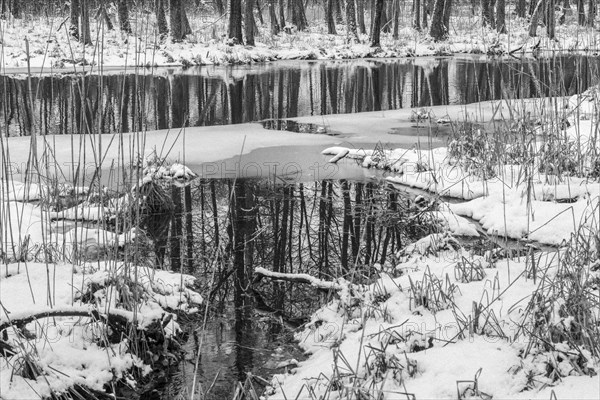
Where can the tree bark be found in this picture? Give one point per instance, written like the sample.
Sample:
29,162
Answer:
298,14
74,18
591,12
360,12
235,21
487,13
273,18
535,18
351,18
282,14
123,11
447,13
437,29
416,22
86,36
550,19
329,11
501,16
249,23
161,18
220,7
376,29
520,8
396,18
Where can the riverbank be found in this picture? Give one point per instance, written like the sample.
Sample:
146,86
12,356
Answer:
443,321
52,49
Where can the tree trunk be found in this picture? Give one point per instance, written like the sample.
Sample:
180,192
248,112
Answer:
161,18
249,23
535,18
105,17
581,12
521,8
447,13
416,23
86,36
360,11
437,30
220,7
425,12
298,14
123,12
338,12
282,14
259,12
550,19
501,16
15,9
396,18
591,12
235,21
351,18
329,16
273,18
487,13
376,28
74,19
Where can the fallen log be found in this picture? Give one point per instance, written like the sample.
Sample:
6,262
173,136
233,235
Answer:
299,278
116,318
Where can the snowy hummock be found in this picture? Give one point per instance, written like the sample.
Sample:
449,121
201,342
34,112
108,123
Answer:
66,348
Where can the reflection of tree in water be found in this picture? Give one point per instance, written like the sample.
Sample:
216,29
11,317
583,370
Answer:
124,102
327,229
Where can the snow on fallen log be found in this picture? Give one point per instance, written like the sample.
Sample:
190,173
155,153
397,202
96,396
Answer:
300,278
343,153
357,154
116,316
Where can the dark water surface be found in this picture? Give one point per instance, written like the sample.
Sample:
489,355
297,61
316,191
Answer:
172,98
320,228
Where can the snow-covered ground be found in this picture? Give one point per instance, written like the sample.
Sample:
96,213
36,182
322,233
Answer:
443,322
72,317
